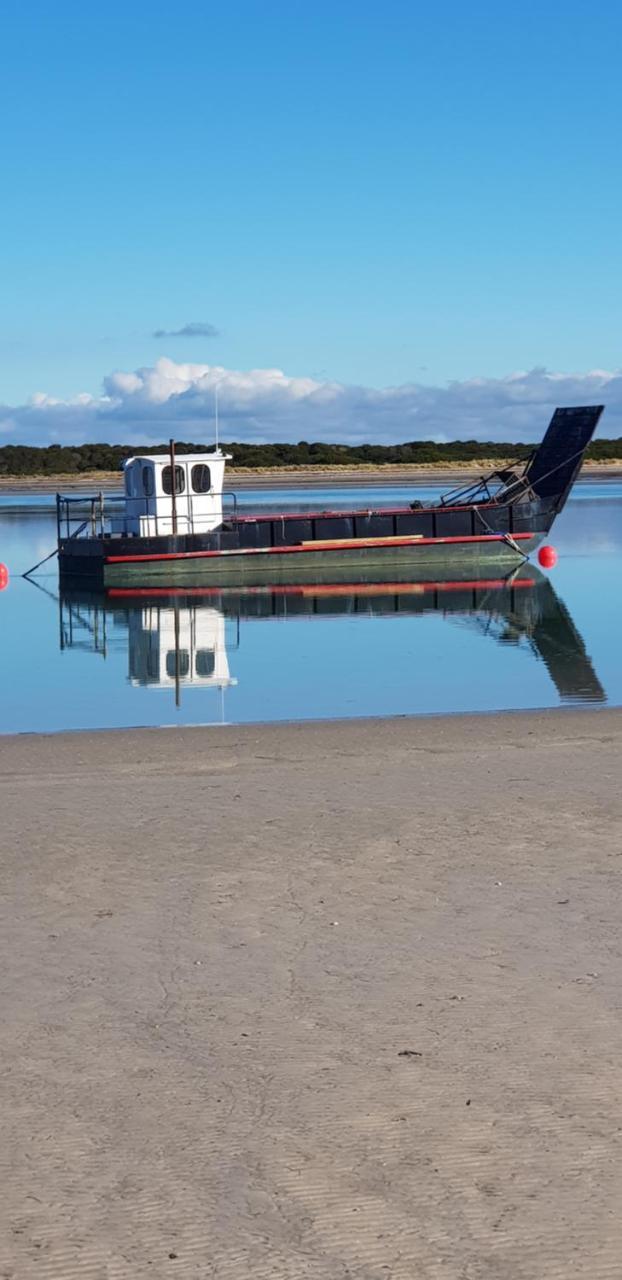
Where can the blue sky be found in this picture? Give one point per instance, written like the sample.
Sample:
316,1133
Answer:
363,194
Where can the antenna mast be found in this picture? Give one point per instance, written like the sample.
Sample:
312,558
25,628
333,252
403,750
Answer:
216,414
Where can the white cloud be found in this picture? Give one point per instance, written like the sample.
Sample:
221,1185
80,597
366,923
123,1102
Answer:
150,404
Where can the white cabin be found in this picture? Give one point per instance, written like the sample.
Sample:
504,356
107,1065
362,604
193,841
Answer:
149,507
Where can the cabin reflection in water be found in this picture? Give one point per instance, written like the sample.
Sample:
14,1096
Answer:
178,641
180,646
170,646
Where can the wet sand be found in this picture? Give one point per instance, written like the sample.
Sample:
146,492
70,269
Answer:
323,1000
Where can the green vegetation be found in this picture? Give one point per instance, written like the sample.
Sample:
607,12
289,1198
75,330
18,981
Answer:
25,460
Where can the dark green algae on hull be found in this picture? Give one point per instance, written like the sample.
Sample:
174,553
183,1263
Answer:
351,564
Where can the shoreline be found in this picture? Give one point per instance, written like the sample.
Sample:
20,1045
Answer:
463,721
548,720
293,999
550,723
300,477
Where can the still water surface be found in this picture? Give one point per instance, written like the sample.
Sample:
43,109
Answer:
542,641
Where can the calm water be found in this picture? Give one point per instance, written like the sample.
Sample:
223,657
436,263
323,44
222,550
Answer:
541,641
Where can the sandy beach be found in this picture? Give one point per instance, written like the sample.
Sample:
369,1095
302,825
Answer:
322,1001
297,477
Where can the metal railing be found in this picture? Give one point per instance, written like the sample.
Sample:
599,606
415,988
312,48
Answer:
69,525
228,493
85,514
511,483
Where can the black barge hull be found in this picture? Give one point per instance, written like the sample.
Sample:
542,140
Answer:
104,563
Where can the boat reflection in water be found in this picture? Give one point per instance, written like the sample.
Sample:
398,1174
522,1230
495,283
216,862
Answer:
181,639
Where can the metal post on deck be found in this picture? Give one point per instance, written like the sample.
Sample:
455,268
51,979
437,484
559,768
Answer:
101,512
173,485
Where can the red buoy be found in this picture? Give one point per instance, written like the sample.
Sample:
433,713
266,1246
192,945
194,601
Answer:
4,577
547,557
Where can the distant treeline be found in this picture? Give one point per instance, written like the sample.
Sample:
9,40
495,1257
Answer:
26,460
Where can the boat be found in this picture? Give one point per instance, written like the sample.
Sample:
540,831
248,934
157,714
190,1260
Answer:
173,529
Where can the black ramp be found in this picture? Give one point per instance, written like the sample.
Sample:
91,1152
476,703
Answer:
557,461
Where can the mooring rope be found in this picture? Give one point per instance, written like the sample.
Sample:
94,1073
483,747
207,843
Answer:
495,533
38,566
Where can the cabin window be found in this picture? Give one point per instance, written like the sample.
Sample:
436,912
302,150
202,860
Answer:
180,480
205,662
147,481
177,662
201,478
